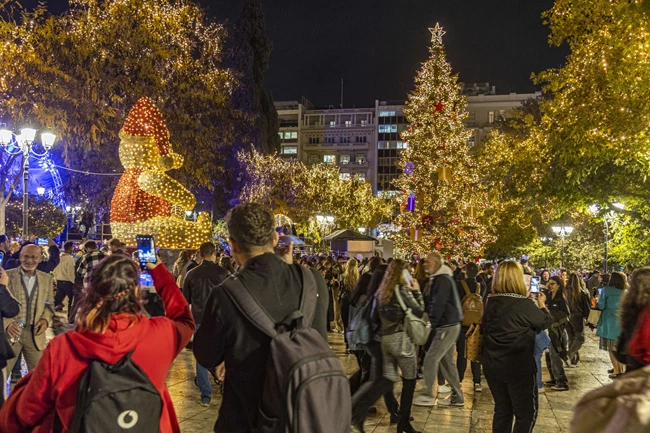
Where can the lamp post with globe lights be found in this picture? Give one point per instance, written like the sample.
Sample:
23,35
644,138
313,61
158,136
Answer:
607,218
562,232
25,143
324,222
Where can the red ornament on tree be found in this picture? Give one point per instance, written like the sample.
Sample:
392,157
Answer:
439,106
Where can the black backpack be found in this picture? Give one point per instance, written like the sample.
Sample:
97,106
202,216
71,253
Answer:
116,398
360,327
305,386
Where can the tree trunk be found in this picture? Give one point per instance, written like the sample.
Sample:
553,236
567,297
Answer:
3,207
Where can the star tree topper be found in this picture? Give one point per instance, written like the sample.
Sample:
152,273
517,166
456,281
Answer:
437,33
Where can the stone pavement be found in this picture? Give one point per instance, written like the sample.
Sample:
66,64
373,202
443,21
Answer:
555,409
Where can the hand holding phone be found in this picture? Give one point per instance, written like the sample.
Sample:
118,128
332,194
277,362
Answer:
534,285
146,251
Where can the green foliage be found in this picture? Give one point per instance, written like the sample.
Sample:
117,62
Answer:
45,219
79,74
290,188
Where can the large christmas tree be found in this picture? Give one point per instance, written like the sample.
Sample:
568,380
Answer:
442,199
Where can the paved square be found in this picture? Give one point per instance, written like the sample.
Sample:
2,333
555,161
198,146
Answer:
555,408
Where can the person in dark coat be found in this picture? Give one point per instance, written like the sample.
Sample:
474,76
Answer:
510,324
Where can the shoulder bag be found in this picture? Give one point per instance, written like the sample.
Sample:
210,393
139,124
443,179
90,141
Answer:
416,328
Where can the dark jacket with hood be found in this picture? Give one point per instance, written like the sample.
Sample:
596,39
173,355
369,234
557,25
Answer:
444,305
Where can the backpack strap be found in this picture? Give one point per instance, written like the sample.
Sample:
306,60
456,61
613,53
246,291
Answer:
309,299
465,287
248,305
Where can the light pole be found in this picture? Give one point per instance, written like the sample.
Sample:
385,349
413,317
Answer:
594,208
562,231
545,242
324,221
25,144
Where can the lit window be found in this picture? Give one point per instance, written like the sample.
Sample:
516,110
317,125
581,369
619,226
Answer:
364,123
386,113
502,113
329,159
344,159
393,128
401,145
360,158
348,123
332,123
290,150
294,135
491,117
314,159
344,176
362,176
281,134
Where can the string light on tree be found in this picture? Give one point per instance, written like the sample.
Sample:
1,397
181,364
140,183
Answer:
438,172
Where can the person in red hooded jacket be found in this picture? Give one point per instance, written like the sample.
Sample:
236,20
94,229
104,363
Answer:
110,325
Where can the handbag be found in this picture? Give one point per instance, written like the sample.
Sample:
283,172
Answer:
594,317
416,328
473,342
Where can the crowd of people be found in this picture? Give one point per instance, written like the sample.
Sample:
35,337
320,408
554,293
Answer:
402,320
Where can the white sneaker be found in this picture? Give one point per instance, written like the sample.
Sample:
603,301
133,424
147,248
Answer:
478,387
541,390
444,389
424,400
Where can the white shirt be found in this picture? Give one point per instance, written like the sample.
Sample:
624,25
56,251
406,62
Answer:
65,270
29,282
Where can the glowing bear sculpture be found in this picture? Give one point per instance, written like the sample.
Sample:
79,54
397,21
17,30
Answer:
147,201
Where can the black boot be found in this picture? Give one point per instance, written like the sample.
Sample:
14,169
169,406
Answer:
406,401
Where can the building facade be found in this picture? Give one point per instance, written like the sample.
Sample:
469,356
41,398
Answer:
367,141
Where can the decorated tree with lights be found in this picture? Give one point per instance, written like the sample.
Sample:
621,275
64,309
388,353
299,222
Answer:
442,201
290,188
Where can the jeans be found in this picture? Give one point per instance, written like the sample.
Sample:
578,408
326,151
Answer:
513,397
441,355
461,361
542,341
202,376
377,385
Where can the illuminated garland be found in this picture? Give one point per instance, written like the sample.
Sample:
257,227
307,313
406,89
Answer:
146,200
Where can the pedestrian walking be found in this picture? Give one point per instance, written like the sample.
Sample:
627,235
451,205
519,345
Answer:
609,325
634,343
445,316
580,307
558,349
397,348
64,276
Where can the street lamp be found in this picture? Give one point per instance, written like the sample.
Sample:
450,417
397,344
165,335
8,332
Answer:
25,144
324,221
40,190
609,216
545,242
562,231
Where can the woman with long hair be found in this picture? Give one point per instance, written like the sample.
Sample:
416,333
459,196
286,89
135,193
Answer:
397,348
226,262
348,282
559,309
609,325
110,327
366,392
635,320
579,306
180,262
510,324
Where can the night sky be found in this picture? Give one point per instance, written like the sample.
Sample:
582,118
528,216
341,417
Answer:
377,45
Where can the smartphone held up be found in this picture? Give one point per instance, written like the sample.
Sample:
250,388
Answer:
146,250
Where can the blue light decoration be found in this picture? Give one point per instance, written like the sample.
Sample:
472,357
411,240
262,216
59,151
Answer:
410,204
409,168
